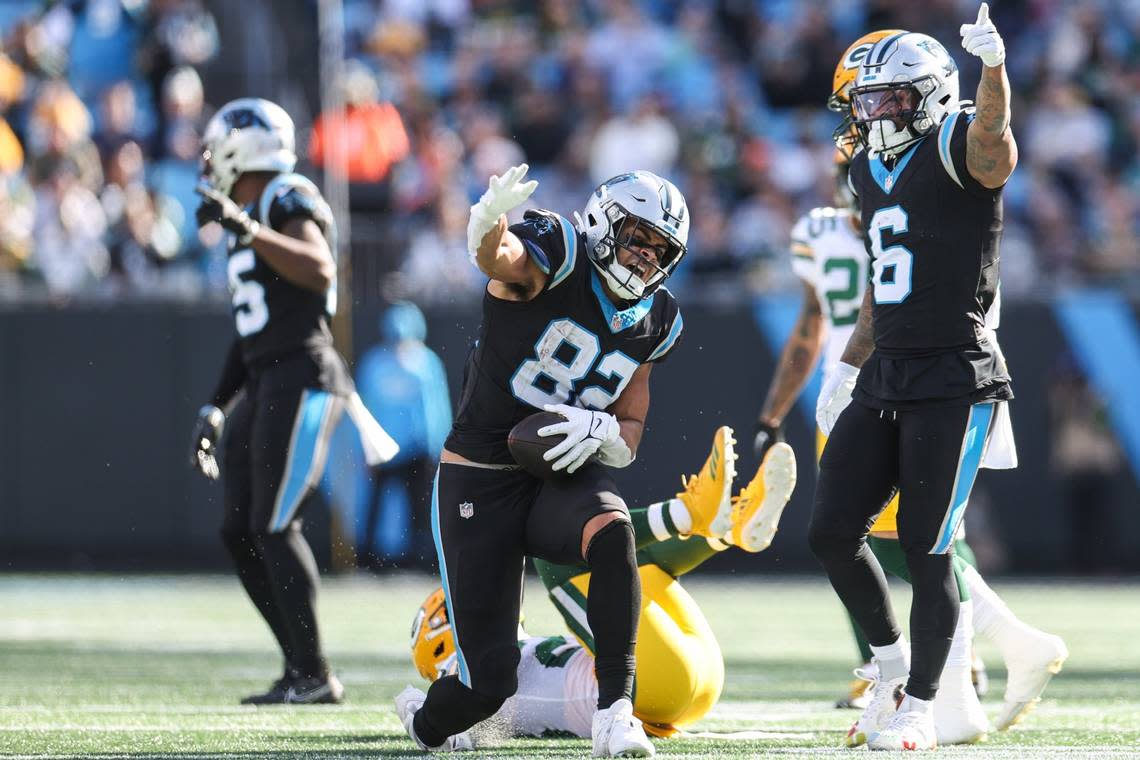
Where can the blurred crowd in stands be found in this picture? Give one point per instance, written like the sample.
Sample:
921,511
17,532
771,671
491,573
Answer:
101,104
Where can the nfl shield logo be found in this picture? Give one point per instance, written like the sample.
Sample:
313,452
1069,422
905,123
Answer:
466,510
615,323
890,181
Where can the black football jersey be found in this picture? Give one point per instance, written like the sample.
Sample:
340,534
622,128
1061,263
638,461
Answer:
273,316
932,235
567,345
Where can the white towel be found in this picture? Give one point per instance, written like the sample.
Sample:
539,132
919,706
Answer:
1001,449
377,444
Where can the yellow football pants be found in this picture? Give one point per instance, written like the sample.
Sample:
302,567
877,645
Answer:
680,669
888,519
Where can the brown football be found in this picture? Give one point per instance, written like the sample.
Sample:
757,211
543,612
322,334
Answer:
527,446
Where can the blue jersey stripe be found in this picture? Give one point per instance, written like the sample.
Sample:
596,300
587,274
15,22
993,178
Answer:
945,134
973,446
670,339
306,455
570,244
464,672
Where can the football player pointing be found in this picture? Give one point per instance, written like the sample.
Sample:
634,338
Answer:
926,379
573,319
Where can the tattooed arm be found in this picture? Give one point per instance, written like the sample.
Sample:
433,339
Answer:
991,152
862,341
796,362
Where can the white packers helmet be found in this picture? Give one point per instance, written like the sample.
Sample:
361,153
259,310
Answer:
616,209
907,84
246,135
433,643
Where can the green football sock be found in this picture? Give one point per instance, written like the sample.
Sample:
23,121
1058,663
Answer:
963,550
659,522
679,556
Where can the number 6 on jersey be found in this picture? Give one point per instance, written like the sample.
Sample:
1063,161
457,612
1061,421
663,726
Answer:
891,268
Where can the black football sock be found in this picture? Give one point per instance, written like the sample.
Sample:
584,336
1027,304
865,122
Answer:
933,617
861,644
254,576
451,708
613,605
294,575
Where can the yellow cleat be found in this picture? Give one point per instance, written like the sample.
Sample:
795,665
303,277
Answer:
708,494
756,511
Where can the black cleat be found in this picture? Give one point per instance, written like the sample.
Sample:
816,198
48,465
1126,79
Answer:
277,695
315,691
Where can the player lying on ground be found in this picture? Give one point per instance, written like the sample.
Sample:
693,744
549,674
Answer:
680,670
574,317
829,256
928,381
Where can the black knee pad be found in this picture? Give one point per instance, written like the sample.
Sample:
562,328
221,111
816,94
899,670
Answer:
614,542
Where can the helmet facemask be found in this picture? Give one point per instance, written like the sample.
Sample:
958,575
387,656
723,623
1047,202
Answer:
634,234
890,117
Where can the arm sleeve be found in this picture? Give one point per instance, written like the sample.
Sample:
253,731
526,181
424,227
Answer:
671,336
551,241
803,256
952,153
232,377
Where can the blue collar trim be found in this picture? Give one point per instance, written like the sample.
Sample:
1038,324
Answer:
623,319
888,179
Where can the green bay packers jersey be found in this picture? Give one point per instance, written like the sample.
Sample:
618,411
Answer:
568,345
273,316
933,234
557,689
828,254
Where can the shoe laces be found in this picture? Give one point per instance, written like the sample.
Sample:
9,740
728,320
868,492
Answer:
911,719
747,495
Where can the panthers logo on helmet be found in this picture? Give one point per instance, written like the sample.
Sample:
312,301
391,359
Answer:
433,643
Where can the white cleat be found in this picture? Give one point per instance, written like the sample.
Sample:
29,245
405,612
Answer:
1036,661
906,730
408,703
958,715
885,698
618,734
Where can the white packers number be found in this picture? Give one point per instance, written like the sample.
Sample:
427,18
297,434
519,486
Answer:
250,310
564,354
891,267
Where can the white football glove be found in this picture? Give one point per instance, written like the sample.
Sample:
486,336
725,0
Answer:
981,38
835,396
503,194
586,431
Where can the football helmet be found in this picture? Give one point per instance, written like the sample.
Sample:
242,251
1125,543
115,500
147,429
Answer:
907,84
433,643
614,213
845,136
248,134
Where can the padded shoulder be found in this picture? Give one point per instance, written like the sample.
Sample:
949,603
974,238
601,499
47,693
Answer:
552,241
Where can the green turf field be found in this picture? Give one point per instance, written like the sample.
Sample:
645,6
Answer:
154,666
